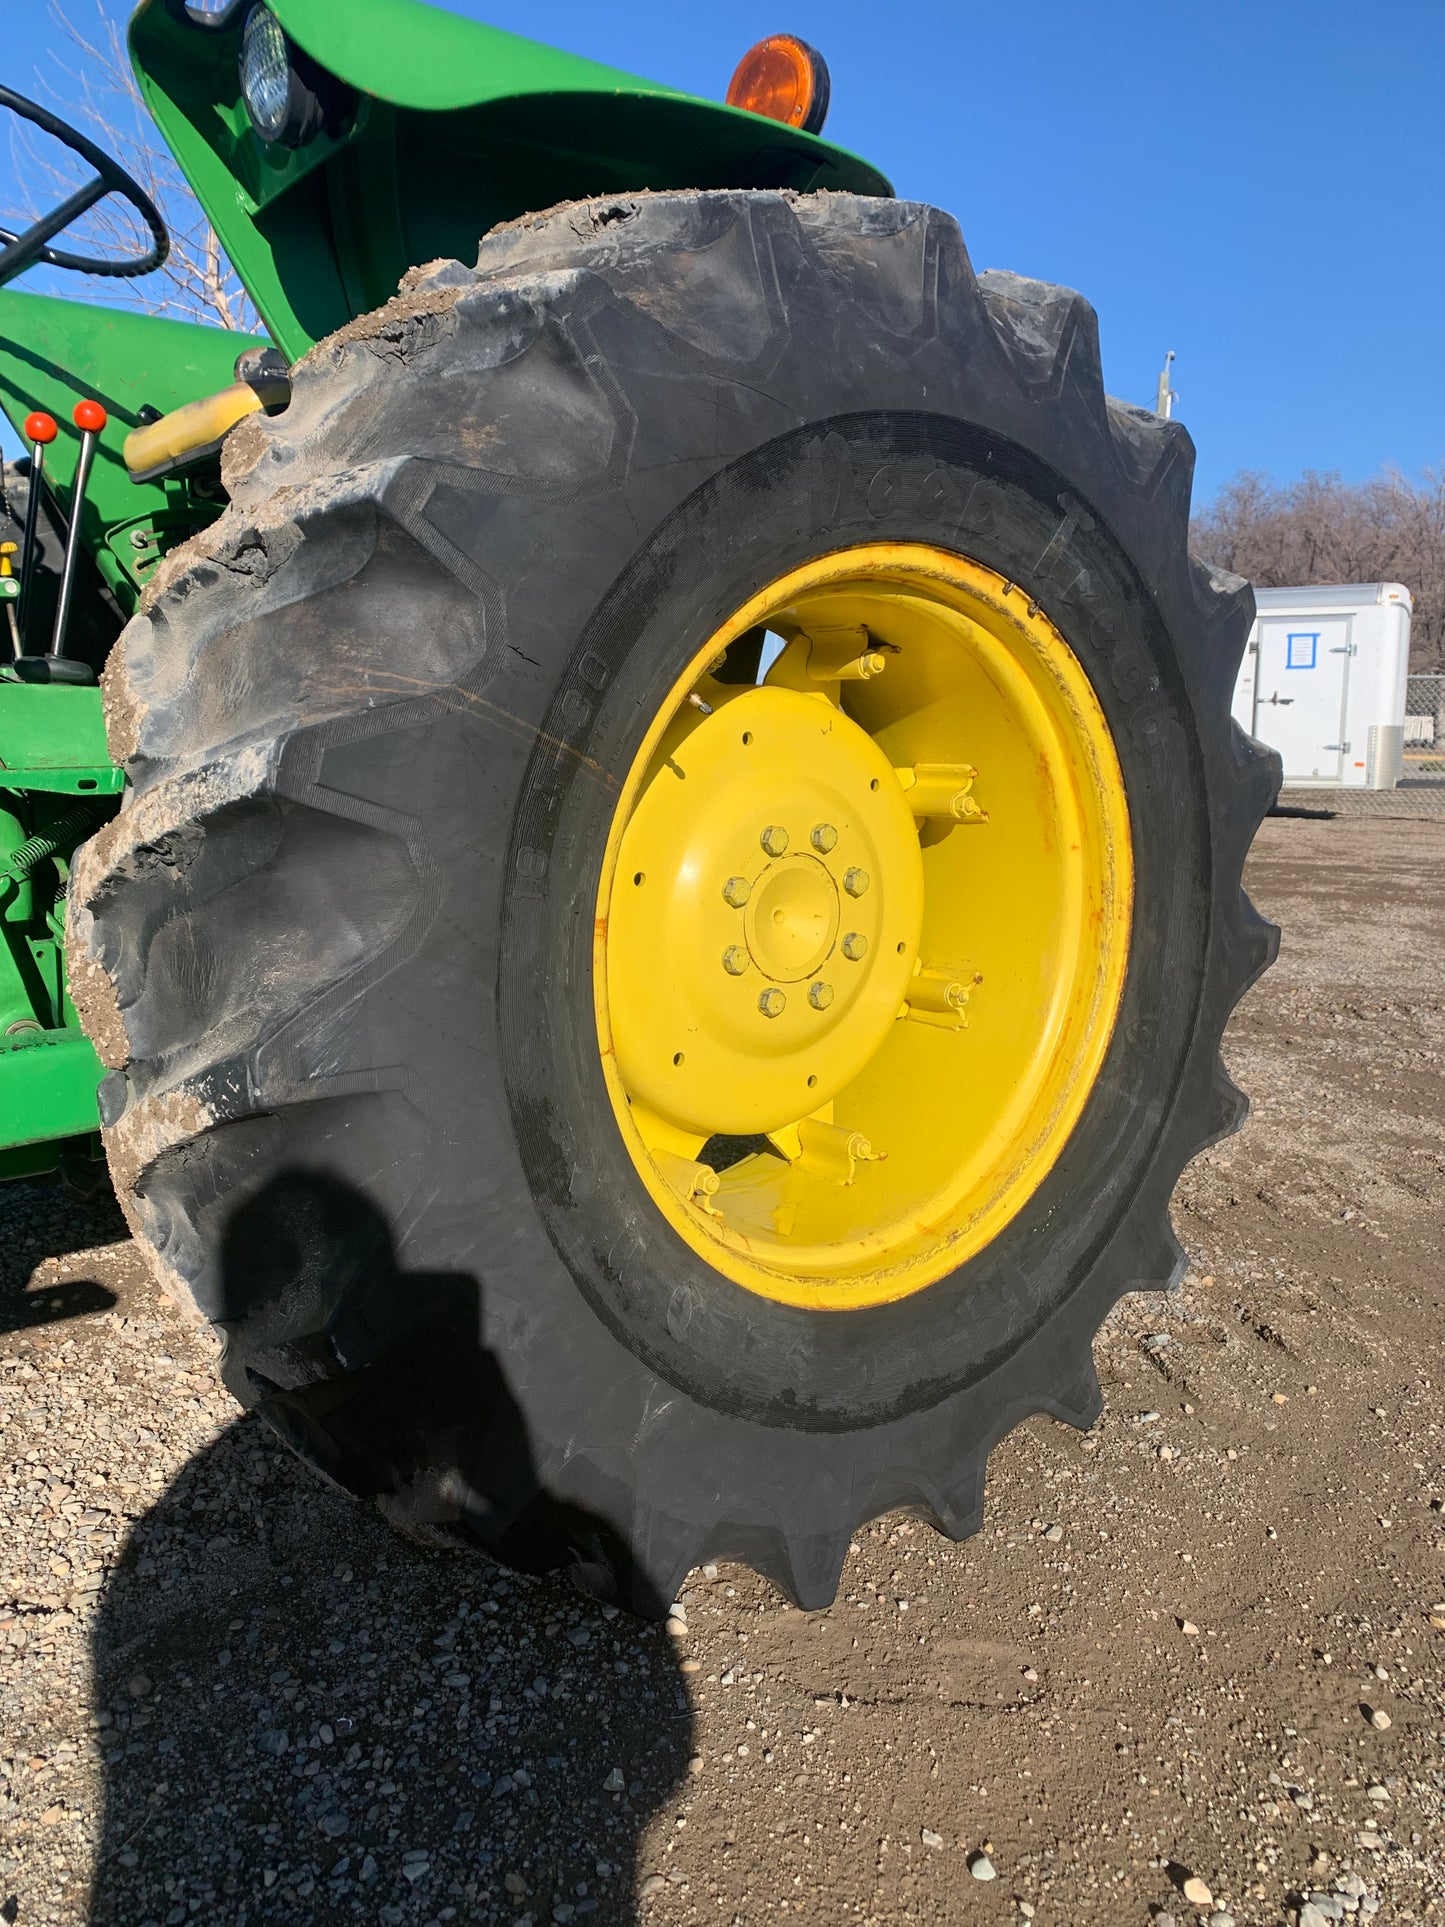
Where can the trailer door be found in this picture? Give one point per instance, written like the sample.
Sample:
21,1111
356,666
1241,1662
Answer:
1301,681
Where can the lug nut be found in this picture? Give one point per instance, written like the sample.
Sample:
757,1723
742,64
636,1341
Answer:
822,837
855,882
774,839
735,960
855,946
820,995
736,892
771,1003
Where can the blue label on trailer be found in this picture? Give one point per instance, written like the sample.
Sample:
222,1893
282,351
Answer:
1301,650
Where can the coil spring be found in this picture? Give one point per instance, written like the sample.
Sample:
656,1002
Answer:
67,830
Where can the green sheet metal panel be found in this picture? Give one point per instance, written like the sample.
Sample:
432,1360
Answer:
56,352
54,730
48,1087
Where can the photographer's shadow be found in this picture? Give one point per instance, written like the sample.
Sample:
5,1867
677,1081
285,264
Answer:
305,1718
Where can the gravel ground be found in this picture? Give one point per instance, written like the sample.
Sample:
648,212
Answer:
1190,1669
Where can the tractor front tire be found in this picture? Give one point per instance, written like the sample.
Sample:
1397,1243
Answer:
387,725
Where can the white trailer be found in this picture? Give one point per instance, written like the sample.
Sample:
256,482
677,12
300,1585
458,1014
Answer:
1323,682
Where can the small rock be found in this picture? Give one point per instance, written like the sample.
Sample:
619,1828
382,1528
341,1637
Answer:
1219,1918
615,1782
1352,1884
1031,1673
653,1884
1026,1908
981,1867
694,1765
689,1666
676,1628
138,1686
514,1884
1196,1892
1381,1797
52,1816
1189,1629
1311,1916
1379,1719
930,1838
334,1824
1327,1905
1165,1919
1279,1398
1053,1534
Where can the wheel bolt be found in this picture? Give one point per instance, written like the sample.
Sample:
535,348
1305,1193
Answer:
771,1003
855,946
820,995
736,892
855,882
735,960
822,837
774,839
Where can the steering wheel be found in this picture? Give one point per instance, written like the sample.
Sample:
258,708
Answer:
23,250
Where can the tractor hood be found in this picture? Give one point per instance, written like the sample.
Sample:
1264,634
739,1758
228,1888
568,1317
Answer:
447,127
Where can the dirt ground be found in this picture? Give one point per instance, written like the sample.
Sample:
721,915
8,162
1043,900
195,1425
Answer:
1200,1644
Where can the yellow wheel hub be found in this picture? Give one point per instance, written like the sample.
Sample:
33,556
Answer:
862,926
775,892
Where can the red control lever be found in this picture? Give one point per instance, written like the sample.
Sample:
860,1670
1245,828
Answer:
89,417
40,432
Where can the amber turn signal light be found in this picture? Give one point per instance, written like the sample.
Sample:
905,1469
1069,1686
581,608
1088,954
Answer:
784,79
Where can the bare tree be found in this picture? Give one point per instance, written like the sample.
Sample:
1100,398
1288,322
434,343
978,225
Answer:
98,93
1323,529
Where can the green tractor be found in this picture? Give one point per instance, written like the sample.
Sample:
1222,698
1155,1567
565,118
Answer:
628,829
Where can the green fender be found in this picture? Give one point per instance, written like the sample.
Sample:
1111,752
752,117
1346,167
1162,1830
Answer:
457,126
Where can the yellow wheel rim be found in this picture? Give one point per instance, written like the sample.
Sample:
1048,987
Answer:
862,927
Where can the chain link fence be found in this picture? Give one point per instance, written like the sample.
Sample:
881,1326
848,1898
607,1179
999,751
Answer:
1420,792
1424,730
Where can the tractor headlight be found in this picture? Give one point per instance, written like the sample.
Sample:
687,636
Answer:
288,97
266,73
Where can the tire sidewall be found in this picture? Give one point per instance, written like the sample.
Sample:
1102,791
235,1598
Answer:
830,486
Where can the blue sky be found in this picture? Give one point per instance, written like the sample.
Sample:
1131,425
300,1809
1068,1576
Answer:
1256,184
